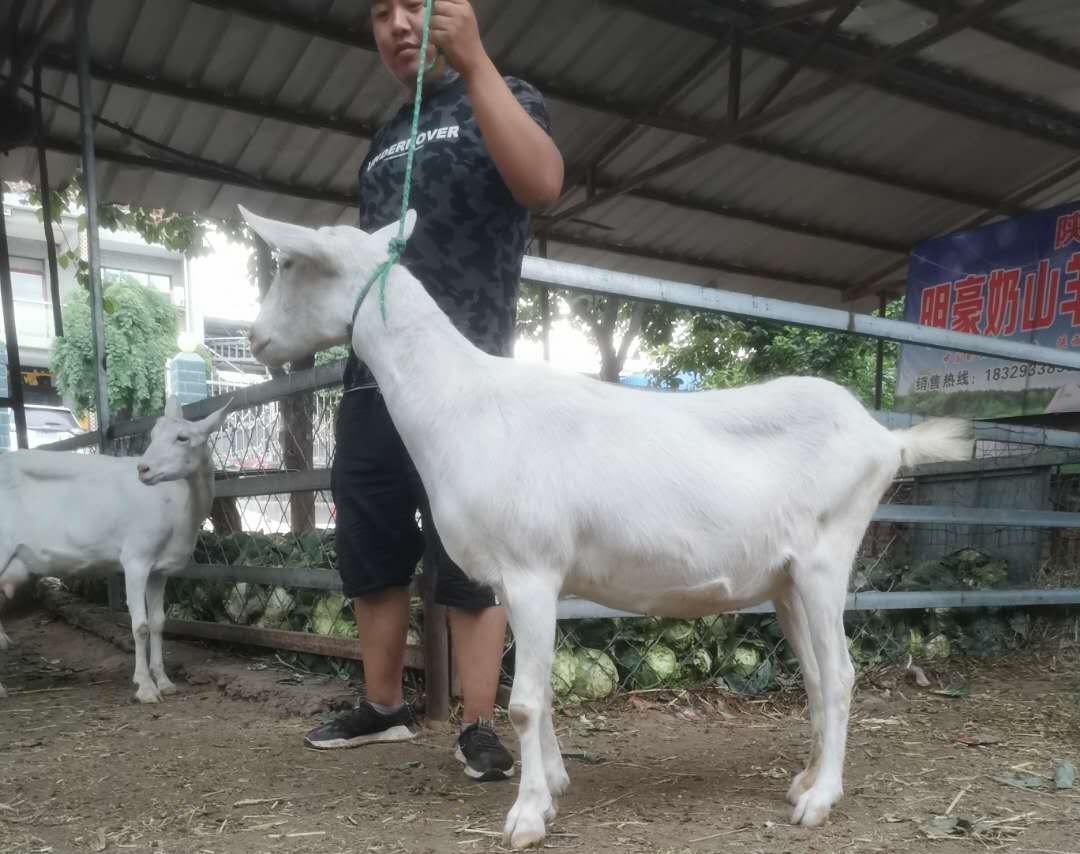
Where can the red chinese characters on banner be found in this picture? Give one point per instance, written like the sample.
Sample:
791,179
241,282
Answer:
1040,298
1068,230
1071,306
1002,302
967,304
934,307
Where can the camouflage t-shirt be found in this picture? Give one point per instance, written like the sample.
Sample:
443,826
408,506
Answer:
470,234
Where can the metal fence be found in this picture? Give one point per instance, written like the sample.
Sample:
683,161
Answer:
994,534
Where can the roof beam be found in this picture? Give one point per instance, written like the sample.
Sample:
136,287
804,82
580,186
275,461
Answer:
702,262
362,39
866,70
360,130
875,283
1010,33
745,214
57,61
911,78
226,175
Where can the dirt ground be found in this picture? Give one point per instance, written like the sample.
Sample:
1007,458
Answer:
221,768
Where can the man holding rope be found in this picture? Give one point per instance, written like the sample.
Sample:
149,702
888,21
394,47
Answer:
484,157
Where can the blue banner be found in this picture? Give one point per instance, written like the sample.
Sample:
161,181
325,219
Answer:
1018,279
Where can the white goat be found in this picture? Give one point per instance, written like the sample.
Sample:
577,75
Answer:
545,483
66,513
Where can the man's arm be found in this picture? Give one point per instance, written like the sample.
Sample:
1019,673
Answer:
524,153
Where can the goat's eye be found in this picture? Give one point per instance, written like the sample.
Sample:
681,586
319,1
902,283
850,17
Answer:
287,264
182,438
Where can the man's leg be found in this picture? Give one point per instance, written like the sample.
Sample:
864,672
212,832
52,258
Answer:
477,642
382,622
378,547
477,638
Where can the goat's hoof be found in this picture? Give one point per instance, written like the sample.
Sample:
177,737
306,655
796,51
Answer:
147,694
802,784
813,807
524,827
3,693
6,642
558,784
165,687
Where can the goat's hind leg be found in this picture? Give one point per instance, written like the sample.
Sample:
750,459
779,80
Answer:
155,608
821,585
793,621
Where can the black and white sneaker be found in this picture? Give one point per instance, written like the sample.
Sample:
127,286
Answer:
482,754
363,725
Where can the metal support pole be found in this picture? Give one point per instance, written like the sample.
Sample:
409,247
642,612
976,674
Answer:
545,307
880,367
93,250
436,651
7,299
46,207
734,93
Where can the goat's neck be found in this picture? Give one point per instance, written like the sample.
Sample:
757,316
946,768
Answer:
422,363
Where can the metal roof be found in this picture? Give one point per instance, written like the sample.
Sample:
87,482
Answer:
815,192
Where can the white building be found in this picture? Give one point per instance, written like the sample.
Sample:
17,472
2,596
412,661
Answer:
121,252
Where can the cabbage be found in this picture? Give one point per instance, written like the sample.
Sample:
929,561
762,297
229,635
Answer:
938,647
678,634
276,611
563,670
718,626
700,663
658,666
243,603
326,617
746,660
595,675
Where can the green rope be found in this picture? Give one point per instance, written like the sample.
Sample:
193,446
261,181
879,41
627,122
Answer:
397,244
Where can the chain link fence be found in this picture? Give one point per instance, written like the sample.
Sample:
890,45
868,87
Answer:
264,567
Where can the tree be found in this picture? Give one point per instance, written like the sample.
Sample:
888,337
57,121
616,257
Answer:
614,325
140,337
723,352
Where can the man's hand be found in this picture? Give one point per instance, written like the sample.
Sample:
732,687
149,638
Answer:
455,31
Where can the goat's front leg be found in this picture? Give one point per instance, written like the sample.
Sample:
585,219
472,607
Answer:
5,641
531,603
135,577
155,607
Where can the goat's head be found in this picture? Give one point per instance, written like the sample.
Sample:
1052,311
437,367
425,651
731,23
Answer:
310,303
178,448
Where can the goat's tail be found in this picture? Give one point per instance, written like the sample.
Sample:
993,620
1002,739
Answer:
936,440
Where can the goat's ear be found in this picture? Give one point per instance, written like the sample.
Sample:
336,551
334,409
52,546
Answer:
173,408
290,239
384,235
212,422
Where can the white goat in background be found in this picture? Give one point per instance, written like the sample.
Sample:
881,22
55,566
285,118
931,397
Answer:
545,483
66,513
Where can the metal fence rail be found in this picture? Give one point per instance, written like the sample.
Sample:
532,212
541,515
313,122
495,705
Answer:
258,578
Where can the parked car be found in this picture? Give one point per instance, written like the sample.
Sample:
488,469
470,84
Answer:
45,424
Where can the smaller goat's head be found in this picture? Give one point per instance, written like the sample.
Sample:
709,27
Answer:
310,303
178,448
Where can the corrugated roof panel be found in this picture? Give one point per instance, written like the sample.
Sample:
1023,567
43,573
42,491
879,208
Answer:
600,51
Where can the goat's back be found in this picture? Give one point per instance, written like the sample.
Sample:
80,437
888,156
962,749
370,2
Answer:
65,512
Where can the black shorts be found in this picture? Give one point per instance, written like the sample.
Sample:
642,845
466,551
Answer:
377,493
